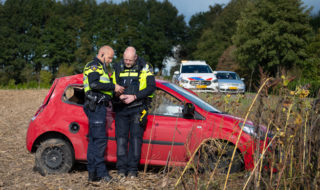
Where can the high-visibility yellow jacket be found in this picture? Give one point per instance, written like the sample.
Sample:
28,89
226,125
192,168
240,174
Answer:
96,79
138,80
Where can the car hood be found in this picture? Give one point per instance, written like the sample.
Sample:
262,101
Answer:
230,81
226,116
197,76
238,121
234,118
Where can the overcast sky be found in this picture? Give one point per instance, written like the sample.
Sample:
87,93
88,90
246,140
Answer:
190,7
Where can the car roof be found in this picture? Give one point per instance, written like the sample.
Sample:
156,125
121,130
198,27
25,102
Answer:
193,63
78,79
161,81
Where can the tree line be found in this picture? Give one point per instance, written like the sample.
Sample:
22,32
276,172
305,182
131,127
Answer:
279,36
44,39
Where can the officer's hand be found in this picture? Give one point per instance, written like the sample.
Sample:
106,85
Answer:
129,98
118,89
122,97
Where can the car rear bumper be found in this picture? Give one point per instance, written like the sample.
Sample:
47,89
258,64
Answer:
31,136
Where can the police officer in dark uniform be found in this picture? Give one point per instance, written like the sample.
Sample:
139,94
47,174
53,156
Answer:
98,90
137,77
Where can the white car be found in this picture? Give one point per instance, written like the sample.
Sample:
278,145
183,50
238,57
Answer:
196,76
229,82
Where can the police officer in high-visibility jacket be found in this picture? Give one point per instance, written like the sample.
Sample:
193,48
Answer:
131,107
98,92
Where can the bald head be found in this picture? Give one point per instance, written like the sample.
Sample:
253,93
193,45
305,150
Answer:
129,56
105,54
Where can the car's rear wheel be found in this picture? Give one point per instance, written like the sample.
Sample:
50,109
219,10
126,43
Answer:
216,154
54,156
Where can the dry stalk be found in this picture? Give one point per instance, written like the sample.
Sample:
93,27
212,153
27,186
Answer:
304,142
288,117
191,159
257,140
173,138
271,168
262,155
167,163
149,144
214,170
170,152
265,139
245,119
282,170
317,176
184,185
291,164
288,152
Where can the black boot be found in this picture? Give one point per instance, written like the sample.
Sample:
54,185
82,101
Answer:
132,175
107,179
92,177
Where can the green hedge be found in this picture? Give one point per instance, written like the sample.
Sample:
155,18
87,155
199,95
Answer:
28,85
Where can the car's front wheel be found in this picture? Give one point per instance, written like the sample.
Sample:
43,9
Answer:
54,156
216,154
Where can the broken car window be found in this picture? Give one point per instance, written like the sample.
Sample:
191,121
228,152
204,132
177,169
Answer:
74,94
165,104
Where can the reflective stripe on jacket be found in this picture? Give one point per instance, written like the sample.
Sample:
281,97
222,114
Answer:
104,77
132,74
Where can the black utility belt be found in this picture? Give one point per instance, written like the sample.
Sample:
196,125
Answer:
92,100
134,104
97,98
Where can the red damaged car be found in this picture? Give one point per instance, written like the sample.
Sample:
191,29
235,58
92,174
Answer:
178,122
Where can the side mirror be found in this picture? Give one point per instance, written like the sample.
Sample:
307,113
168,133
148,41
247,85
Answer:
242,78
176,73
188,110
215,80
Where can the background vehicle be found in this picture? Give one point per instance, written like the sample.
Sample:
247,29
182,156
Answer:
195,75
178,122
229,82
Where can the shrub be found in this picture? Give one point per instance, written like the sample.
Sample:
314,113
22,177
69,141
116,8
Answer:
312,85
45,78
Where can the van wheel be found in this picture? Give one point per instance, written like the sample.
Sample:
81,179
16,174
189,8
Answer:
54,156
209,154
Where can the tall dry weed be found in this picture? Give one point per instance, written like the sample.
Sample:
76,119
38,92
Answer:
292,160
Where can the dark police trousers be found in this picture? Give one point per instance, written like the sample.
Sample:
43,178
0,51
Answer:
127,120
97,140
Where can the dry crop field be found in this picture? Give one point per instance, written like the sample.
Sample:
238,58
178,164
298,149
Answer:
16,163
293,119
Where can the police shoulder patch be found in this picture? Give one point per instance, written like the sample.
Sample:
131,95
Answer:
94,67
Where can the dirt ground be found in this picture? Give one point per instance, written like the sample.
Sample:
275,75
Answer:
16,163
